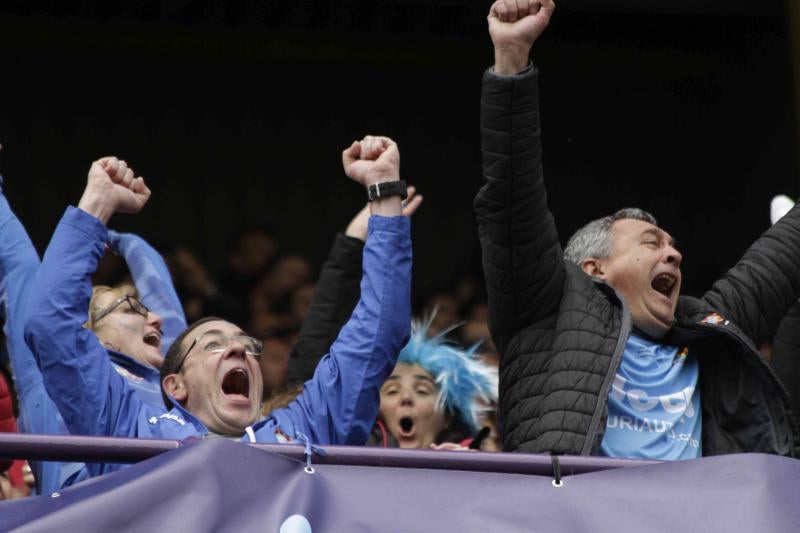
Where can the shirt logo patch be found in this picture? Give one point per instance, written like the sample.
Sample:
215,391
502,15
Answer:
715,319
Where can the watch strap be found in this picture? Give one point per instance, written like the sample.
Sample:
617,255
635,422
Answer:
386,189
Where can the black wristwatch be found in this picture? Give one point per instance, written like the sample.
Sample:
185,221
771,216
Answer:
386,189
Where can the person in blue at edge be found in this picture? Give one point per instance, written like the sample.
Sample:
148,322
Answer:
210,376
18,264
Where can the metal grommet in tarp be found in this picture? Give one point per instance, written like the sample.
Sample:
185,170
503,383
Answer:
309,451
558,482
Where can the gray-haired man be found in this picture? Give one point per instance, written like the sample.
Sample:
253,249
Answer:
600,353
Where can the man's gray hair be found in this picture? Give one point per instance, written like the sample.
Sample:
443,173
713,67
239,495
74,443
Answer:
596,239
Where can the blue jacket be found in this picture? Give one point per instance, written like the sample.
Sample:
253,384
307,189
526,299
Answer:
337,406
19,262
154,285
37,414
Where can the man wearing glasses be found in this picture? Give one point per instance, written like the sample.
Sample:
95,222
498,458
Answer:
212,383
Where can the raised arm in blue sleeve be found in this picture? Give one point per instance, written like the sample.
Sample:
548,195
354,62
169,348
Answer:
91,396
153,282
19,262
339,404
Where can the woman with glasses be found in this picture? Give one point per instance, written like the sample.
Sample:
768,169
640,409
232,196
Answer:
132,335
18,264
210,376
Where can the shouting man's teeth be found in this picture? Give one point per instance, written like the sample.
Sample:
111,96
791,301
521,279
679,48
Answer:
664,283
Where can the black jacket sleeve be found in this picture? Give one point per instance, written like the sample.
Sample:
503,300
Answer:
786,353
522,258
757,293
335,297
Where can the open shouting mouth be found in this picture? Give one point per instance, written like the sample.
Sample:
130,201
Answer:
236,384
407,427
153,338
665,284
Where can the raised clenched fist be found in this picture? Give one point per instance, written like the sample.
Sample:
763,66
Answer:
111,187
372,160
514,25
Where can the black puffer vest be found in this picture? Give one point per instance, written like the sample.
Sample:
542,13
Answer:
561,334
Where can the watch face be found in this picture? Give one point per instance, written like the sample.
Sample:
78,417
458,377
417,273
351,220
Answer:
372,193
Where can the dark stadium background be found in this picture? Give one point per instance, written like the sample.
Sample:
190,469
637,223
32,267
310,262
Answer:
236,113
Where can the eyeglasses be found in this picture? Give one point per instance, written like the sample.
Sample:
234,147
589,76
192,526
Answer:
217,343
135,305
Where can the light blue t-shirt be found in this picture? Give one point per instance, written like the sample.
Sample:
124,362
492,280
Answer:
654,404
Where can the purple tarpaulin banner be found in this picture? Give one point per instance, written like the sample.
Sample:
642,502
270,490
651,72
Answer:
218,485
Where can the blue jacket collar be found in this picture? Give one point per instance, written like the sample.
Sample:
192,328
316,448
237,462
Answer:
135,367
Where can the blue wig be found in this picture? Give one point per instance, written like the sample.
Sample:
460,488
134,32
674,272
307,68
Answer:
461,378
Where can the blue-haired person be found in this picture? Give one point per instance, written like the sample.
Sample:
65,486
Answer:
437,393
